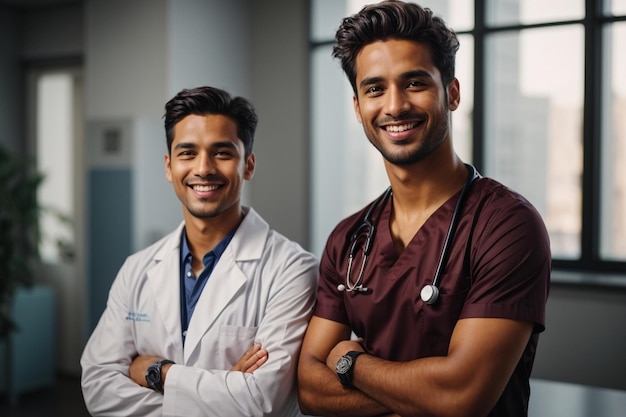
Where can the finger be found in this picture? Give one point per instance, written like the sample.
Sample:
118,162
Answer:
261,357
251,351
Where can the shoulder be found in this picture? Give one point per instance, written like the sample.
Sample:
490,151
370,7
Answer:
493,201
506,226
256,239
159,249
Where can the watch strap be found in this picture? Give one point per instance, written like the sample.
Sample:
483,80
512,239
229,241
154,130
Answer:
345,368
154,375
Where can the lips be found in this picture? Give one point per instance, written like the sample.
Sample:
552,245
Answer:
204,188
400,128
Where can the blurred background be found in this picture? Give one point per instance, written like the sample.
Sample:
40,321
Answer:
83,86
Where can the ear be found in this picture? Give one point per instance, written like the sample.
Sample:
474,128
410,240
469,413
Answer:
248,172
357,109
168,167
454,94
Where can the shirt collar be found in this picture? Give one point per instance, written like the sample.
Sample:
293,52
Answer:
216,252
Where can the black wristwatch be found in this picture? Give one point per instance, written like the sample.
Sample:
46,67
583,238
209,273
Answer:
345,367
153,375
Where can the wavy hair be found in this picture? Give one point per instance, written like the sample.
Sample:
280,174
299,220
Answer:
394,19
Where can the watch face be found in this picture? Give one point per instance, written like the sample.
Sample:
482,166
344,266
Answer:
153,375
344,364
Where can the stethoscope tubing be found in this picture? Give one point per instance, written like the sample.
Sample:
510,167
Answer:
430,292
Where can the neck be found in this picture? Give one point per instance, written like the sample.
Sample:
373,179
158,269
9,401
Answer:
427,184
203,234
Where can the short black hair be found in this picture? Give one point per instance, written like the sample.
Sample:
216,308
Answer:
210,100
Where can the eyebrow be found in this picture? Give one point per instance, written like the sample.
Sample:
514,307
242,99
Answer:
405,76
221,144
185,145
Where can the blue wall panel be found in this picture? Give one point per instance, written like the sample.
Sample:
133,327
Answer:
109,233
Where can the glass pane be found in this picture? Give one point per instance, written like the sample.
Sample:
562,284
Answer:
462,117
533,122
616,7
327,14
613,218
347,171
458,14
513,12
55,159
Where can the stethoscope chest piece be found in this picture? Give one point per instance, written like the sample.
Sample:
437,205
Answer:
429,294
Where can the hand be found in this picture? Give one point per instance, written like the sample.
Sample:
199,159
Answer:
251,360
341,349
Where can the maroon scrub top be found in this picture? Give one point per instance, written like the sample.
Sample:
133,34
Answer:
498,267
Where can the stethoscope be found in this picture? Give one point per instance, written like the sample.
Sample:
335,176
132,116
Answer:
430,292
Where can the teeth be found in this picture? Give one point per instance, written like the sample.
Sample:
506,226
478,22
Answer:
205,188
400,128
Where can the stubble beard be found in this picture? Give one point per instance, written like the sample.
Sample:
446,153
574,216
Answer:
407,156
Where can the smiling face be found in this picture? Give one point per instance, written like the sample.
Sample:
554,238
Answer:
401,101
207,167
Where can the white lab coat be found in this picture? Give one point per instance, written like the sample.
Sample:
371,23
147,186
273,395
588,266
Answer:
262,289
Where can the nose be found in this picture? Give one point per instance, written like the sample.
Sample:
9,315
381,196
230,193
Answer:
204,165
396,102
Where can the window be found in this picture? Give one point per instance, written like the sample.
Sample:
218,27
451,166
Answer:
543,110
56,121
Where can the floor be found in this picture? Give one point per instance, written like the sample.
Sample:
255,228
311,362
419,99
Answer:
65,399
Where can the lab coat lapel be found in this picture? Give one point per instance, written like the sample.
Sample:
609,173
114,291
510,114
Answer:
227,278
164,280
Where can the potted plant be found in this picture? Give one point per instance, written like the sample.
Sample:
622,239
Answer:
26,309
19,230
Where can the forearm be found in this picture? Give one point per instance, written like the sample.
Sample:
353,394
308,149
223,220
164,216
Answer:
466,382
109,392
321,393
417,388
192,391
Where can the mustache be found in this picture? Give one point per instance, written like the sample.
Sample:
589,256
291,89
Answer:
413,117
204,178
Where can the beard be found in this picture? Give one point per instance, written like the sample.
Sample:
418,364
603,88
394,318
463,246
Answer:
410,156
412,151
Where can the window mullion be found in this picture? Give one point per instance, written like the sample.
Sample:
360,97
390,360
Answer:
592,135
478,122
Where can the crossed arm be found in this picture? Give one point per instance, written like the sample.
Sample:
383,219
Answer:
467,382
249,362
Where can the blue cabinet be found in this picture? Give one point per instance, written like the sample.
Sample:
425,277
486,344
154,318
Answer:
27,358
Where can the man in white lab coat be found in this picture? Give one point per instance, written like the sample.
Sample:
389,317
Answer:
209,320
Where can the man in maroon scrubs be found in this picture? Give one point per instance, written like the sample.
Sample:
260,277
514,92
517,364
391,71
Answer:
468,352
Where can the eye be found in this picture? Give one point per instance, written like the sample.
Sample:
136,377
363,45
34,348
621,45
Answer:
224,154
415,84
373,90
186,154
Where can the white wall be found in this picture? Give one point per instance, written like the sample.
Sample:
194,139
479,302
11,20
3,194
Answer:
209,44
280,91
126,60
